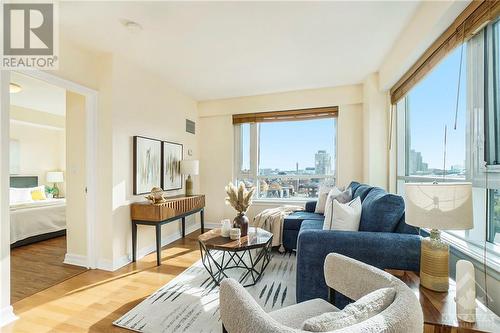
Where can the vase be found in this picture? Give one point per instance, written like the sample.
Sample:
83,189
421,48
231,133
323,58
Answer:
241,221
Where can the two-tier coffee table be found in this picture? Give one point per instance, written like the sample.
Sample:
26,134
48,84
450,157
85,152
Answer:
251,253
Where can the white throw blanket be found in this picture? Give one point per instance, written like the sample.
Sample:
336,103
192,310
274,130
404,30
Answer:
272,221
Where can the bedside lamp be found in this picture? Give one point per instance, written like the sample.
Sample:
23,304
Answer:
190,167
444,206
55,177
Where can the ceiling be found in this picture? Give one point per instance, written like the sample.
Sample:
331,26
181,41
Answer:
38,95
212,50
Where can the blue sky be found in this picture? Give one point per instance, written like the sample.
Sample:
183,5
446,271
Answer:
283,144
432,106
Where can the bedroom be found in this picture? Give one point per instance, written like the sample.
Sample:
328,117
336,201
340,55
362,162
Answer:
44,195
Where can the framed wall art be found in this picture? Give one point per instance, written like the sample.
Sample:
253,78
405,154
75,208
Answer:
172,157
147,164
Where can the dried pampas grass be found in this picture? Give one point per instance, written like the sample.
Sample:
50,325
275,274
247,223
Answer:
238,197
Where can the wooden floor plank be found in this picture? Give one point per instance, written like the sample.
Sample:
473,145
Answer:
92,300
38,266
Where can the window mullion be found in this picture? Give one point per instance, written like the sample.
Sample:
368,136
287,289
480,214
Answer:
254,154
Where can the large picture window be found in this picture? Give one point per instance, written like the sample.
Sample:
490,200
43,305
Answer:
472,147
286,160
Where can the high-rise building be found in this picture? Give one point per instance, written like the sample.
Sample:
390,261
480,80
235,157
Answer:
323,163
417,165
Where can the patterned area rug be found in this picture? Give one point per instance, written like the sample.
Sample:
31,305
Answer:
190,302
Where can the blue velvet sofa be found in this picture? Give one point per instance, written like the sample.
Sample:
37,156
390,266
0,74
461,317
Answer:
384,240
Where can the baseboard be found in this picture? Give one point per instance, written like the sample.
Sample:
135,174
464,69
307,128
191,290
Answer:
7,315
212,225
76,259
114,265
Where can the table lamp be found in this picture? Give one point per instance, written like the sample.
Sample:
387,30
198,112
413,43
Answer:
190,167
55,177
444,206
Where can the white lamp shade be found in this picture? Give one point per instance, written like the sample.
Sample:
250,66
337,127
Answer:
55,177
445,206
190,167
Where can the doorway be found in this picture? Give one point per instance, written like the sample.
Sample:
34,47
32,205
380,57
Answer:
47,184
77,186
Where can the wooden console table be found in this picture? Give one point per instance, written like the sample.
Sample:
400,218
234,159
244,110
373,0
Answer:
175,208
439,309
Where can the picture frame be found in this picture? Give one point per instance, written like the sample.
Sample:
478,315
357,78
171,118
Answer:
147,161
173,154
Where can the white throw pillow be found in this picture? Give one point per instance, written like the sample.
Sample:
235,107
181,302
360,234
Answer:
20,195
342,197
346,216
364,308
324,191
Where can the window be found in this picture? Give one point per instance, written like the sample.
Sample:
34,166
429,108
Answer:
286,159
430,112
492,109
494,217
472,149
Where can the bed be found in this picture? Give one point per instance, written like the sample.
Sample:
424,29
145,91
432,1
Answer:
33,221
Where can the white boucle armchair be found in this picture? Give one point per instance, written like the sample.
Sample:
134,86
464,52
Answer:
240,313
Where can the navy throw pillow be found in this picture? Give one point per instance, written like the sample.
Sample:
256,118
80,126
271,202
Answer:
381,211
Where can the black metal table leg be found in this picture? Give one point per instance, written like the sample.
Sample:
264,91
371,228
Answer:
158,244
183,227
202,219
134,241
262,258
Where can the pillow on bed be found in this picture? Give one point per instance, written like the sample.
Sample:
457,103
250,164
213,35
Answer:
38,194
20,195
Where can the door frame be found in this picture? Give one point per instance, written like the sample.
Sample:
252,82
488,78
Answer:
91,97
91,104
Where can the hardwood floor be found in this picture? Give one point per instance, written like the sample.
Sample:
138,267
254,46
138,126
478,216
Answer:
91,301
38,266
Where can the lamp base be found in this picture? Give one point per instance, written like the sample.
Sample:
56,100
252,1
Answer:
189,185
56,191
434,270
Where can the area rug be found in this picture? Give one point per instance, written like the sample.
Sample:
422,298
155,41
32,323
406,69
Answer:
190,302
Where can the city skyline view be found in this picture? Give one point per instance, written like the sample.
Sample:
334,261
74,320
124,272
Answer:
284,144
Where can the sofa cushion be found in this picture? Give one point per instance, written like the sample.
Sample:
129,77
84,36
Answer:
293,316
342,197
364,308
354,185
311,225
293,221
381,211
324,192
404,228
362,191
346,216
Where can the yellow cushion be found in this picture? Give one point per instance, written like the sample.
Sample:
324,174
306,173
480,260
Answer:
38,195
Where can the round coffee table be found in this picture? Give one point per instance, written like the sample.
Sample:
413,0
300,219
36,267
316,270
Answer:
220,254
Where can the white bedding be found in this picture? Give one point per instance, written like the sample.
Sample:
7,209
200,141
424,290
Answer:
36,218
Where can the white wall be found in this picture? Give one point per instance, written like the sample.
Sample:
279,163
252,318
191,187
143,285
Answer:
76,223
217,138
375,133
144,104
41,149
429,22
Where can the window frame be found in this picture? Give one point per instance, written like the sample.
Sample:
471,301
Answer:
485,177
253,173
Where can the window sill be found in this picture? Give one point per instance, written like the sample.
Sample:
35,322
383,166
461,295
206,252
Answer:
474,251
273,202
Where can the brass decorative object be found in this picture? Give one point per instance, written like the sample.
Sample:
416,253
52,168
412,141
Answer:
157,196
